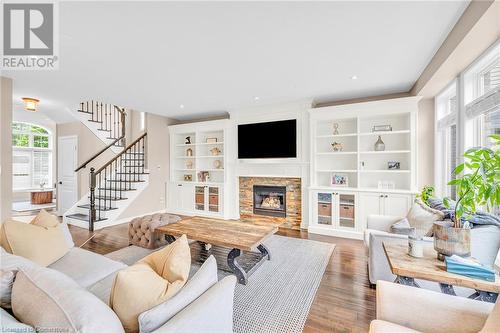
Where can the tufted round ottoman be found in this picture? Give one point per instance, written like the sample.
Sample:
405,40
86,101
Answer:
141,230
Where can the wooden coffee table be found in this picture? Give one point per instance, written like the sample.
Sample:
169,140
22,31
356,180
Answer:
242,238
408,268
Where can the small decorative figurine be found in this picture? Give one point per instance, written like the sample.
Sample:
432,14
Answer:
217,164
393,165
215,151
335,129
189,152
188,178
189,164
337,146
188,140
379,145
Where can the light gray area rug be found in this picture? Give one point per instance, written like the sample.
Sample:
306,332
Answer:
279,293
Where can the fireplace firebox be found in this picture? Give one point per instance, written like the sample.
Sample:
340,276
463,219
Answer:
269,200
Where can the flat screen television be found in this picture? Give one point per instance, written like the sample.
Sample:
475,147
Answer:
277,139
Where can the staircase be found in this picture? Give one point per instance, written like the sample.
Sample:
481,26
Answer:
119,181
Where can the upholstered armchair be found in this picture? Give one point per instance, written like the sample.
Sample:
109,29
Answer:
406,309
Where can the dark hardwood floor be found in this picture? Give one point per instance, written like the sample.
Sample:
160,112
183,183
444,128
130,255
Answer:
345,302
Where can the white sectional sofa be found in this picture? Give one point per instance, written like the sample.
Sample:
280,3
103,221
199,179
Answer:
204,304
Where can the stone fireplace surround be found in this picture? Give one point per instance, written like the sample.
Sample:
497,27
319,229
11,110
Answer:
293,200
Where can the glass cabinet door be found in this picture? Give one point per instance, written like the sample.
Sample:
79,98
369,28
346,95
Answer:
325,212
213,199
199,197
346,210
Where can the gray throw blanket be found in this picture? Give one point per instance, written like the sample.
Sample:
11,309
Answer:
480,218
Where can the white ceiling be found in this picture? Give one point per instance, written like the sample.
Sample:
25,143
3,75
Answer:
214,57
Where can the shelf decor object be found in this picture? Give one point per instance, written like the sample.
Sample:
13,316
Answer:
211,140
188,140
340,180
337,146
189,164
215,151
379,145
188,178
393,165
382,128
189,152
335,129
217,164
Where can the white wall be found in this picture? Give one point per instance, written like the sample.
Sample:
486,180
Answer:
425,143
5,148
153,197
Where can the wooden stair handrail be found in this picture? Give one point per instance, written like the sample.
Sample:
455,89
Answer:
84,164
124,151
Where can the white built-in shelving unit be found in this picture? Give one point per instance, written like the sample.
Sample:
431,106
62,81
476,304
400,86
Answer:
370,181
192,148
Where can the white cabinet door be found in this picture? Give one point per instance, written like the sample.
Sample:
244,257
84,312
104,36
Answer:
396,204
370,204
186,197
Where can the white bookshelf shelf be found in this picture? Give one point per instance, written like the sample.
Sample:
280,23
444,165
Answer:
338,153
336,135
386,152
384,171
385,133
363,166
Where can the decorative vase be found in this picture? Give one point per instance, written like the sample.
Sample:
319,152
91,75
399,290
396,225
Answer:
449,240
379,145
335,129
189,152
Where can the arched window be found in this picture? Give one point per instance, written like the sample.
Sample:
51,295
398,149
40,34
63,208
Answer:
32,156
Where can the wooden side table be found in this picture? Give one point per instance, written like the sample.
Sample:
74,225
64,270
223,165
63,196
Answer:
408,268
39,197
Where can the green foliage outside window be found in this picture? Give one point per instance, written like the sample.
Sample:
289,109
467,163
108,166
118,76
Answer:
40,141
20,140
28,135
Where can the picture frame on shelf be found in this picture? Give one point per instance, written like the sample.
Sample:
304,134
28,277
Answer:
382,128
211,140
393,165
340,180
203,176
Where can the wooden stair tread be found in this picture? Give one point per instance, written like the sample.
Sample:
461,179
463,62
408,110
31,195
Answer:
97,207
83,217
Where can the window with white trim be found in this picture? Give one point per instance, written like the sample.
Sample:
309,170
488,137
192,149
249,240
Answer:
446,139
482,99
32,156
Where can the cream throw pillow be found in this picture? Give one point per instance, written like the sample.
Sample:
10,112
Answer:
42,245
422,218
149,282
44,219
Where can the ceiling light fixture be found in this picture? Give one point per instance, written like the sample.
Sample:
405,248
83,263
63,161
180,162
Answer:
256,98
354,77
30,104
181,106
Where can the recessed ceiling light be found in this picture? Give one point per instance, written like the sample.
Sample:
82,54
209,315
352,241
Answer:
354,77
256,98
181,106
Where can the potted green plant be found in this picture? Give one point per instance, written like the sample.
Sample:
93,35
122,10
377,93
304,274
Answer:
477,185
428,191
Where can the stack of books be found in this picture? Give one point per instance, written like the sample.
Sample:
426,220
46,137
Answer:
469,268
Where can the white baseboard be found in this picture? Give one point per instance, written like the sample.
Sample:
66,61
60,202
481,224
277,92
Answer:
335,232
